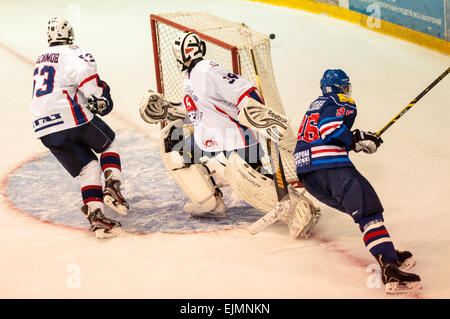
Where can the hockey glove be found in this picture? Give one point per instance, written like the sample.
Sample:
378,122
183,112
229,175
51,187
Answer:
367,142
99,105
265,120
155,108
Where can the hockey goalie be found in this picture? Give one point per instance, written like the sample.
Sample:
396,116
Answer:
213,138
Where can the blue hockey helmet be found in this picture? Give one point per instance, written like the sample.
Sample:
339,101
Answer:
335,82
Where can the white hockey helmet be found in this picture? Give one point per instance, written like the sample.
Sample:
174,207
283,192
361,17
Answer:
60,30
187,47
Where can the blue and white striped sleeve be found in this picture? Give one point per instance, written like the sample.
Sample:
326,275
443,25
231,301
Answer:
332,127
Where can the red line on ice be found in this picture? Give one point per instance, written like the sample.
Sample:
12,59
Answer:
12,206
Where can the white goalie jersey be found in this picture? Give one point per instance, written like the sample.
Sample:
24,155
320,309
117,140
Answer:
213,98
63,78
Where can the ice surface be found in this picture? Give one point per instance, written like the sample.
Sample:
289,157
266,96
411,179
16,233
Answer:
410,171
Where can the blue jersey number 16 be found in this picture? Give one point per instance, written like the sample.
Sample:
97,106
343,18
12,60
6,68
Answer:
48,72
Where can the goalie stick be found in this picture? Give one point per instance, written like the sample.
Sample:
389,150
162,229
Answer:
281,188
277,169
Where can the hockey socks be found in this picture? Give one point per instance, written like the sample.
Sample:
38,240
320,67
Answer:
110,160
377,240
91,186
92,196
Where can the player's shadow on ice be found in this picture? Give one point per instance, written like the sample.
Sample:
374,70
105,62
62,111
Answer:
143,217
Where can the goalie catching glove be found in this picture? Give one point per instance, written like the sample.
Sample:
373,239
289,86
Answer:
366,141
155,108
265,120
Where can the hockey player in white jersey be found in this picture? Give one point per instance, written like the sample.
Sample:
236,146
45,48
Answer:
67,96
215,139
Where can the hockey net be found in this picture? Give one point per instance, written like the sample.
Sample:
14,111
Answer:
228,43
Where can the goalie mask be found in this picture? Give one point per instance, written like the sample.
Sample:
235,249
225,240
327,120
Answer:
59,30
187,47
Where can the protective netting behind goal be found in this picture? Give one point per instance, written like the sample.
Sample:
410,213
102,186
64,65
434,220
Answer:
227,43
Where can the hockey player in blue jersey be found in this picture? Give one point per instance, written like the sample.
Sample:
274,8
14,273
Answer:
323,165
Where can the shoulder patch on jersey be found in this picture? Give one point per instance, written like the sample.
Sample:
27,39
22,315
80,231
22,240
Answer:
345,99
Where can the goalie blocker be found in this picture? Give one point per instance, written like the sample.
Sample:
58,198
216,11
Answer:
265,120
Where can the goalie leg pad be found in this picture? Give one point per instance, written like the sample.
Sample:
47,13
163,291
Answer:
216,165
299,213
302,215
202,197
249,185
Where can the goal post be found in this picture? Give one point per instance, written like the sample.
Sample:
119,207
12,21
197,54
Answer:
229,44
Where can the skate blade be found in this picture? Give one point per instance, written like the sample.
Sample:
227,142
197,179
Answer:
119,209
407,264
395,288
107,233
209,215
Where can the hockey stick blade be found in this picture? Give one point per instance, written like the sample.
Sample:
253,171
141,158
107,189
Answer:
271,217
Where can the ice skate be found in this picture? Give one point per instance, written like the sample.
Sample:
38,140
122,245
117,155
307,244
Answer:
395,280
112,196
218,212
405,260
102,226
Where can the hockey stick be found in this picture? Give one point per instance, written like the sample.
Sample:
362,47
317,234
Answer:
281,188
413,102
277,169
